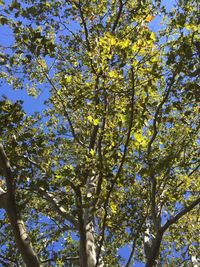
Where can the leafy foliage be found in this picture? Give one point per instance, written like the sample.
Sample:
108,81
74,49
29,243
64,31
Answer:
117,146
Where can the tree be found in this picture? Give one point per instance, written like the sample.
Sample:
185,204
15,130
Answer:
112,160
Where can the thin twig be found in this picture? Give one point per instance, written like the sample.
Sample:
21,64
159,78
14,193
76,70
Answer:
118,16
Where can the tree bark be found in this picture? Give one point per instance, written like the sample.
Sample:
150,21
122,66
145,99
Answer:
154,250
19,230
3,199
87,236
90,242
154,246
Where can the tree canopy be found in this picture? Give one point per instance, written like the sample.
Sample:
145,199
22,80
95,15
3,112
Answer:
112,159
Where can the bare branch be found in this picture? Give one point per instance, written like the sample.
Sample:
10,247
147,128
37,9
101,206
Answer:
118,16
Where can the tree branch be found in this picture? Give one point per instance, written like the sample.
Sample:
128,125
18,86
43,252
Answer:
21,236
94,133
54,202
164,228
84,25
178,216
118,16
135,243
158,110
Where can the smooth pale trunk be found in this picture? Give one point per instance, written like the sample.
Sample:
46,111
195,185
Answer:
90,242
89,246
87,243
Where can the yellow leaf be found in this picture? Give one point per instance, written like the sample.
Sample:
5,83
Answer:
47,4
113,74
113,207
68,79
90,119
96,121
138,136
92,152
112,41
140,139
149,18
125,43
153,36
191,27
93,121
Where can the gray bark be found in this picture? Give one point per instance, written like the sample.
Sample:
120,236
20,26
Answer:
90,242
88,226
7,201
153,245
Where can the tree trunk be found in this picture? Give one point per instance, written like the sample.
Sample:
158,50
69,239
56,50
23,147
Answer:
152,244
153,251
90,242
88,221
87,242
